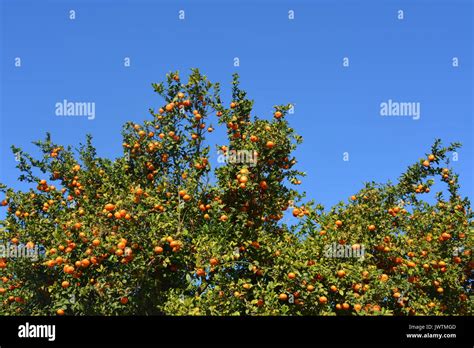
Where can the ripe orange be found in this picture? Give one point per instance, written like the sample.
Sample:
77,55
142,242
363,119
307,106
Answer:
323,299
383,277
341,273
310,287
278,114
60,312
333,288
124,300
224,218
338,223
371,228
426,163
175,244
270,144
158,250
345,306
243,179
65,284
96,242
283,297
213,262
431,158
357,307
291,275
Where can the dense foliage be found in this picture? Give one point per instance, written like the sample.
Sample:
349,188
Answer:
157,231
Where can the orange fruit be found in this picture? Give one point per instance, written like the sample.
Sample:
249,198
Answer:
186,198
283,297
60,312
270,144
65,284
323,299
338,223
291,275
158,250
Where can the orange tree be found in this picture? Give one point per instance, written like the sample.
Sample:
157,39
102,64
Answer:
156,231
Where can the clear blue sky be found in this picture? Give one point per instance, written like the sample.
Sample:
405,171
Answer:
296,61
